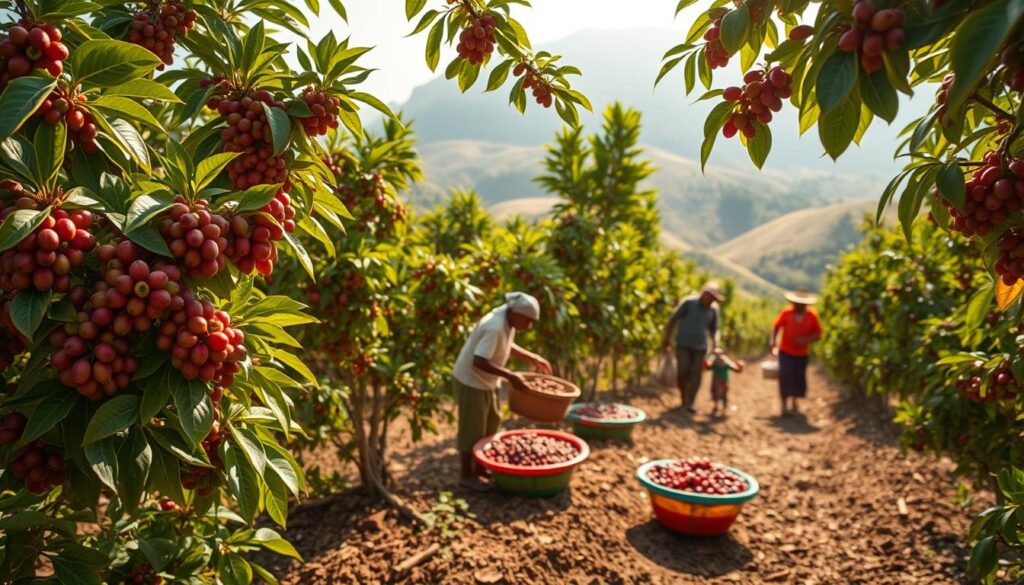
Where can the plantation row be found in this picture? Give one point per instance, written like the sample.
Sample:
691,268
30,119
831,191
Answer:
399,295
918,323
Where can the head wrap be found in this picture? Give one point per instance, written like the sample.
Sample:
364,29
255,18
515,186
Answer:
523,304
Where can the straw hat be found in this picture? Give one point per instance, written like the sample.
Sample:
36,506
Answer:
801,296
714,289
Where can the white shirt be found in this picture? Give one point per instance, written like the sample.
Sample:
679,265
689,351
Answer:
492,339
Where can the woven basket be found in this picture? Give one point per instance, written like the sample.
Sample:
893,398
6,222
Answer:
542,407
770,370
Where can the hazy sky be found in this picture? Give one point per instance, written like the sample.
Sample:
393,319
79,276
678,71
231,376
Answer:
400,60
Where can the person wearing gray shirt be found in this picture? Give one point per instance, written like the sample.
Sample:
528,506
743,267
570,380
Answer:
694,320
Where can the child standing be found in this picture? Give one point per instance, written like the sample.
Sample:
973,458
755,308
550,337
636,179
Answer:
720,365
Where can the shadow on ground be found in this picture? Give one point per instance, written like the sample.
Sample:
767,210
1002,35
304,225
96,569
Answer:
706,557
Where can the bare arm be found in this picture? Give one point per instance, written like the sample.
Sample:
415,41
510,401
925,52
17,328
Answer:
528,356
666,339
486,365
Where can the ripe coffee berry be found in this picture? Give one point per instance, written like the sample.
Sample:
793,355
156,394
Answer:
606,411
11,426
942,95
1010,265
195,236
476,41
145,574
801,33
325,110
206,479
90,357
761,94
31,45
157,27
698,475
714,51
992,195
529,450
40,466
45,259
874,32
202,342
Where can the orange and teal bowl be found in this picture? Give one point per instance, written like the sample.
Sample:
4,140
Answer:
604,429
692,513
539,481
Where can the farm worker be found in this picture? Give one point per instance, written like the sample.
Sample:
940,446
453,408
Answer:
697,320
480,365
800,328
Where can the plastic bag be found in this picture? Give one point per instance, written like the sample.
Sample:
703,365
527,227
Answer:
667,369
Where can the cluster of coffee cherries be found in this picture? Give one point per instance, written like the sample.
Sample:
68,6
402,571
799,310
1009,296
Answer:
248,132
41,466
1010,264
606,411
11,426
539,87
196,236
202,342
761,94
366,197
529,450
1002,384
714,51
874,32
476,41
157,27
994,192
31,45
943,94
325,111
699,475
46,257
62,105
144,574
256,250
141,289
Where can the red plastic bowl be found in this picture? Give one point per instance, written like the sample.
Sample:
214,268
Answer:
533,470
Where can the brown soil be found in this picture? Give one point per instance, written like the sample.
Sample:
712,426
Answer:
839,503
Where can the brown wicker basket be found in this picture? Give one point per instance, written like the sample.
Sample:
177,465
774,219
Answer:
543,407
770,370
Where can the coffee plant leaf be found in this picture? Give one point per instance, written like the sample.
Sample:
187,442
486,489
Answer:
116,415
109,63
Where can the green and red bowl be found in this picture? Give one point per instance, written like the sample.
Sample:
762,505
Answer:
601,428
539,481
692,513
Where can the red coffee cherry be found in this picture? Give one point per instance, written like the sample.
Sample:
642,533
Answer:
873,33
48,257
325,110
699,475
41,466
158,26
31,45
476,42
760,96
202,342
196,237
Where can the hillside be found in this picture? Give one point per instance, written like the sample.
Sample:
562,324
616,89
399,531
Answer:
702,210
794,250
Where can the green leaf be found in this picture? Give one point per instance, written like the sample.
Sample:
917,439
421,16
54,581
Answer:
434,44
413,7
950,182
760,145
280,127
975,46
19,225
48,413
159,551
116,415
838,127
165,475
236,570
69,572
301,254
209,168
195,410
122,107
243,482
879,95
984,557
20,99
499,75
272,541
50,144
979,307
144,89
102,457
149,238
837,77
107,63
145,207
28,309
735,27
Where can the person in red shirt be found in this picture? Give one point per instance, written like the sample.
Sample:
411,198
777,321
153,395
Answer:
800,328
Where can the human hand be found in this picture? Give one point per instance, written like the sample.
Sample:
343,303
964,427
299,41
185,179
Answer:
775,351
543,366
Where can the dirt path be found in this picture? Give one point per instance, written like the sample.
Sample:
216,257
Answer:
828,511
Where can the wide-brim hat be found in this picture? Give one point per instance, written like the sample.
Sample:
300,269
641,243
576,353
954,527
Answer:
714,289
801,296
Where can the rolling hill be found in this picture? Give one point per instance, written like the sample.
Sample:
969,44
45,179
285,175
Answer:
794,250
